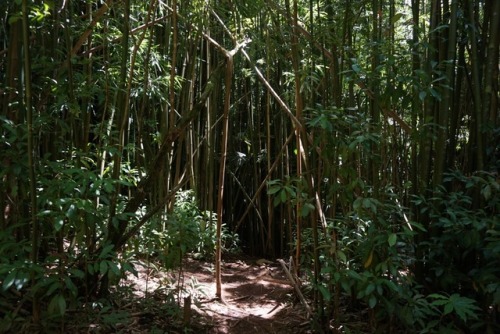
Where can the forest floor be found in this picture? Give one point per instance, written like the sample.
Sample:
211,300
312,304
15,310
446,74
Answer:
257,298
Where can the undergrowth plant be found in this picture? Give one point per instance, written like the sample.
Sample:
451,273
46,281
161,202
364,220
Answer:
187,230
371,262
462,262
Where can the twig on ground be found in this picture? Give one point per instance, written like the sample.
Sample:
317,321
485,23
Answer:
296,286
238,298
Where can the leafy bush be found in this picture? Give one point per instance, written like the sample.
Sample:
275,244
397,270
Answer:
372,259
461,249
186,230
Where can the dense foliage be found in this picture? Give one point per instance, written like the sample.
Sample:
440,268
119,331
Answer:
359,137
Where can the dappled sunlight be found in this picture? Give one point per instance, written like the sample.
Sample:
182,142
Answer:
256,298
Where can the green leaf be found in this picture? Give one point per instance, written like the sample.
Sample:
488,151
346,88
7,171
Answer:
283,196
396,17
77,273
342,257
448,308
356,68
9,280
114,268
71,211
103,267
273,190
372,301
71,286
105,251
392,239
435,94
486,192
61,303
14,18
464,307
422,95
59,223
418,226
369,289
306,209
354,274
57,305
90,268
129,267
357,203
367,203
54,286
22,278
346,286
324,291
108,187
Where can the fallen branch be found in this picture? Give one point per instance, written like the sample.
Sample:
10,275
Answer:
296,286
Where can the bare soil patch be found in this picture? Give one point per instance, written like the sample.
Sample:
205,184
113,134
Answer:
257,298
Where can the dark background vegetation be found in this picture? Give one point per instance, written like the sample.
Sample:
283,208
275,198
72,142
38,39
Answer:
361,137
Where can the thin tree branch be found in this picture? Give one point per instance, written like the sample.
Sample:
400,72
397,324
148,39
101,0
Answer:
98,14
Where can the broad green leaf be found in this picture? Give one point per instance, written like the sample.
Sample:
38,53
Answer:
422,95
354,274
71,286
448,308
57,305
22,278
273,190
61,302
464,307
396,17
346,286
283,196
71,211
367,203
114,268
9,280
54,286
440,302
486,191
105,251
392,239
341,255
435,94
77,273
58,224
103,267
306,209
369,289
324,291
14,18
372,301
357,203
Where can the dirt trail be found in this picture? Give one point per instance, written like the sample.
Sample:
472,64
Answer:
257,298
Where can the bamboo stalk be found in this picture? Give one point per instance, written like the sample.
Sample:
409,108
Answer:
35,228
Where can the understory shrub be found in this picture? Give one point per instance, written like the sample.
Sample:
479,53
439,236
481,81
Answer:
186,230
372,262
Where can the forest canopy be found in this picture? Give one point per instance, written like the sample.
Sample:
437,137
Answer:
361,138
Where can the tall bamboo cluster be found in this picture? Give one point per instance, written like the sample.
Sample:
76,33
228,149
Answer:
342,103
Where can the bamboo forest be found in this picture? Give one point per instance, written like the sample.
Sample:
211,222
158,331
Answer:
250,166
